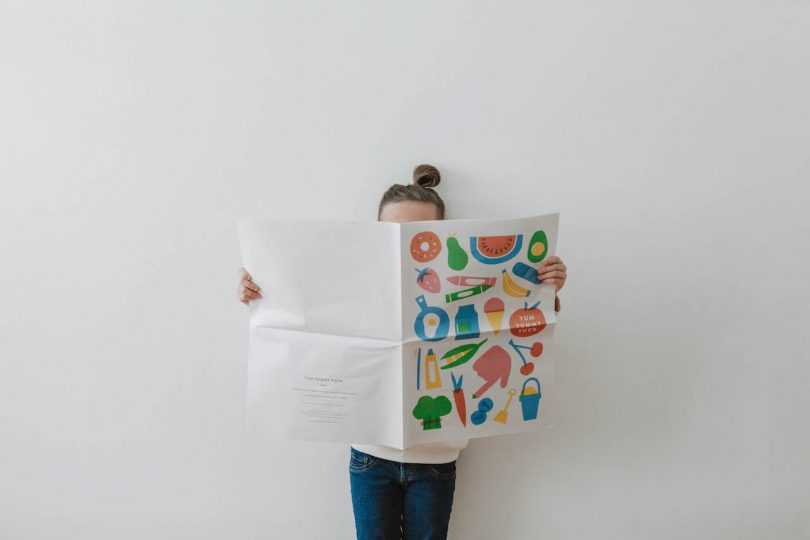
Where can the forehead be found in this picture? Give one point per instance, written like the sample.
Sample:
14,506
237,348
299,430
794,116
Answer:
405,211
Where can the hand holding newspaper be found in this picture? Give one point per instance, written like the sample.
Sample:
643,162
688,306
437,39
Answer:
399,334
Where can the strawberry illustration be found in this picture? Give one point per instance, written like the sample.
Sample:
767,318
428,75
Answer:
428,279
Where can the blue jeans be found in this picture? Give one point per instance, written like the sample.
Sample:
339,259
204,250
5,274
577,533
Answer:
400,500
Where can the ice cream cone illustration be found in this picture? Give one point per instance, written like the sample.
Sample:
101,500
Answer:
494,309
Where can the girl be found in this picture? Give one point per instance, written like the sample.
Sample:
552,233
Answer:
407,493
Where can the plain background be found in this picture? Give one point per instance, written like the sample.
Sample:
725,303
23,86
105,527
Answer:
671,136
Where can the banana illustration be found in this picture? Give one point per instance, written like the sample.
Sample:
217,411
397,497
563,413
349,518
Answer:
513,289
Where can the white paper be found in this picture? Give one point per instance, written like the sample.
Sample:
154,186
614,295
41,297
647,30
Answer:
334,346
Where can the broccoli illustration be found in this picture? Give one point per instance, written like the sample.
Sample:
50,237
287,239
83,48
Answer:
430,411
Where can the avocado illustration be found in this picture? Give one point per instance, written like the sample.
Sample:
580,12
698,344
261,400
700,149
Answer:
456,256
538,247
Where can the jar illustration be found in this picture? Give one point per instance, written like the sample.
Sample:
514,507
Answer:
467,322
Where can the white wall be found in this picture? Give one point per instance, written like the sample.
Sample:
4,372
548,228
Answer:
672,137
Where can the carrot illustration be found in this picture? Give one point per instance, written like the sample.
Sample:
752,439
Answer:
458,396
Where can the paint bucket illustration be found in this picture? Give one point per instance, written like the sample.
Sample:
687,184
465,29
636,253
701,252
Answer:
530,399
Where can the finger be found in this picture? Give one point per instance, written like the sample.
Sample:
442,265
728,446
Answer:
550,268
244,274
553,273
250,285
247,293
551,260
547,264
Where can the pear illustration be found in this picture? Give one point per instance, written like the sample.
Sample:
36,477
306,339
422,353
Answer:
457,258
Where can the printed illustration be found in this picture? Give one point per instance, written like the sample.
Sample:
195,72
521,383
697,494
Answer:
494,309
393,350
430,411
480,415
418,366
530,398
527,321
472,281
493,366
425,246
458,396
482,353
466,293
429,280
538,246
523,270
511,288
467,322
433,378
535,350
503,414
434,317
495,249
457,258
461,354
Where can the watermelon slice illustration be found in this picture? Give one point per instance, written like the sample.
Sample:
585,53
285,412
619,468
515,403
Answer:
495,249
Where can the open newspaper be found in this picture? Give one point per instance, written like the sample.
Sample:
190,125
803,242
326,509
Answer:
399,334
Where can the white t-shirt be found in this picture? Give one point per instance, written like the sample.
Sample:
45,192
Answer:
442,452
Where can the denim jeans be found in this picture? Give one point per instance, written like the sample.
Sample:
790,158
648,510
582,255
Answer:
400,500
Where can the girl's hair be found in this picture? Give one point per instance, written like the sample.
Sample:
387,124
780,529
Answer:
425,178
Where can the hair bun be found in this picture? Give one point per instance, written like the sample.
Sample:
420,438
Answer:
426,176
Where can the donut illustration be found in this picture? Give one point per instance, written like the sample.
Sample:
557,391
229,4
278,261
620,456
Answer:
425,246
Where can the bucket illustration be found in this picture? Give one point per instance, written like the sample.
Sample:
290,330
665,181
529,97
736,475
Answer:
530,399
